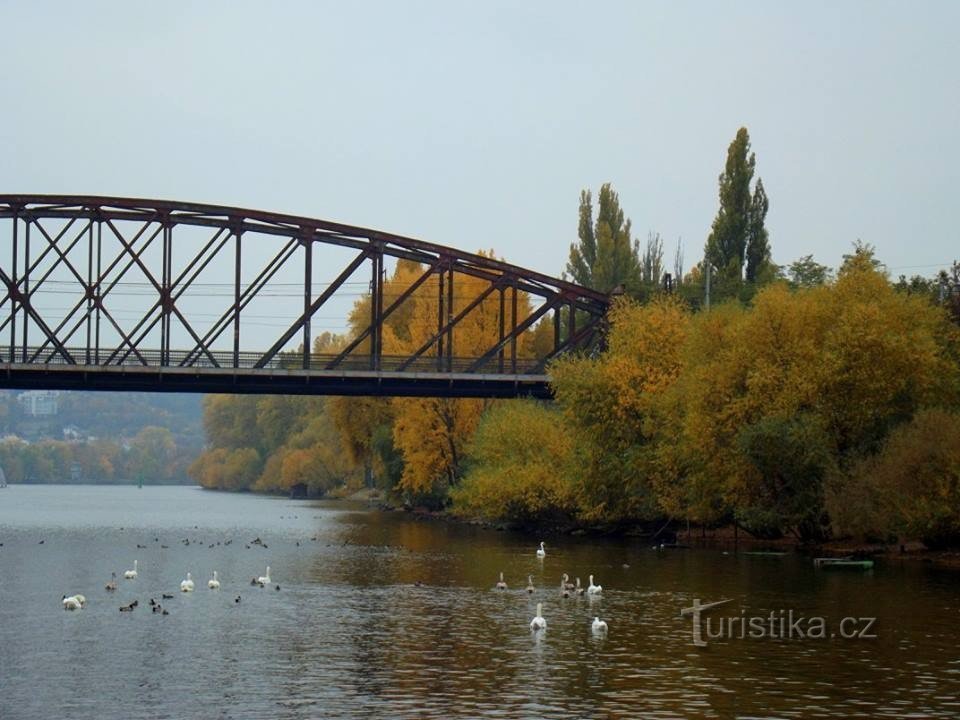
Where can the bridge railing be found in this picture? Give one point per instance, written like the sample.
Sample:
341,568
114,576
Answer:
228,360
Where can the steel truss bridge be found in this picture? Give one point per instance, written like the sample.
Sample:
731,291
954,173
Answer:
106,293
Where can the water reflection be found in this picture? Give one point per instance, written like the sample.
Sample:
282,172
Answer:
352,634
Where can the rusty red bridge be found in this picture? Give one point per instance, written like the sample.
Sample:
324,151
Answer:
105,293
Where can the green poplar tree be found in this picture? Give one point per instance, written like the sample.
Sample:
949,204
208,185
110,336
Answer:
738,247
606,256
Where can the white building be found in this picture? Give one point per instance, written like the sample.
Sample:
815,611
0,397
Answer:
39,402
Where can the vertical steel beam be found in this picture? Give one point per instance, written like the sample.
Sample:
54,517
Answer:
165,295
307,289
237,232
440,320
89,290
513,329
13,290
26,289
449,320
97,298
502,330
376,308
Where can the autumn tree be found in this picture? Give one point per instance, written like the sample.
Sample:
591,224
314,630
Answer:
738,246
521,477
805,272
605,256
610,403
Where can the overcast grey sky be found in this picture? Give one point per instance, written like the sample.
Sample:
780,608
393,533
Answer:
477,125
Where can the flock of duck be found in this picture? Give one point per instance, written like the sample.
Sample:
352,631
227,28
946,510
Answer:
187,585
567,589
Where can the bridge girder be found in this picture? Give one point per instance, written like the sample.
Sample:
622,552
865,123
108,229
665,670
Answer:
90,246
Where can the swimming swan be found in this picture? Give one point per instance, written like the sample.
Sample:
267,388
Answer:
530,587
594,589
539,622
540,551
501,585
578,589
214,583
598,626
71,603
112,585
187,585
131,574
265,579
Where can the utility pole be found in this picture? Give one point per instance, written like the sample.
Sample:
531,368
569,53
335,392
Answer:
708,287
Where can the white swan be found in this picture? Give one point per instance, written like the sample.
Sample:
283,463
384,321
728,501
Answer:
598,626
131,574
540,551
539,622
594,589
71,603
566,582
187,585
265,579
578,589
214,582
530,587
563,589
501,585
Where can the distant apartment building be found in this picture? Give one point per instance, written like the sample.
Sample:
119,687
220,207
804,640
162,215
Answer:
37,403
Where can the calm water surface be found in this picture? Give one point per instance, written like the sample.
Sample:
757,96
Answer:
349,634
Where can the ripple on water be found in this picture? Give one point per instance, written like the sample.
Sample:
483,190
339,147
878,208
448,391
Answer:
350,635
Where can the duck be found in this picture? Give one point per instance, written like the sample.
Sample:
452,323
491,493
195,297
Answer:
541,552
265,579
187,585
578,589
214,582
165,596
594,589
539,622
112,585
530,587
598,626
71,603
131,574
501,585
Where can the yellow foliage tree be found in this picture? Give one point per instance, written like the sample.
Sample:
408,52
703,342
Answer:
523,477
614,405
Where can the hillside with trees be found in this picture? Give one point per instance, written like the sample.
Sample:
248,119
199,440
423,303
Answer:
786,400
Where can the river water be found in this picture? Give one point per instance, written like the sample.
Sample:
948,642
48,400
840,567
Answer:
351,634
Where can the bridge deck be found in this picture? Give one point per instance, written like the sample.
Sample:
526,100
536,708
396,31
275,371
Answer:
283,375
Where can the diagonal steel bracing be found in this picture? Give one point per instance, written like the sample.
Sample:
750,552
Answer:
106,246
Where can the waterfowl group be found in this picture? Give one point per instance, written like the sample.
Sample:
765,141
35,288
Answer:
77,602
567,589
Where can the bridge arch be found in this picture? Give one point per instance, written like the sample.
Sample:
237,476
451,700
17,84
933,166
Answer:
72,266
